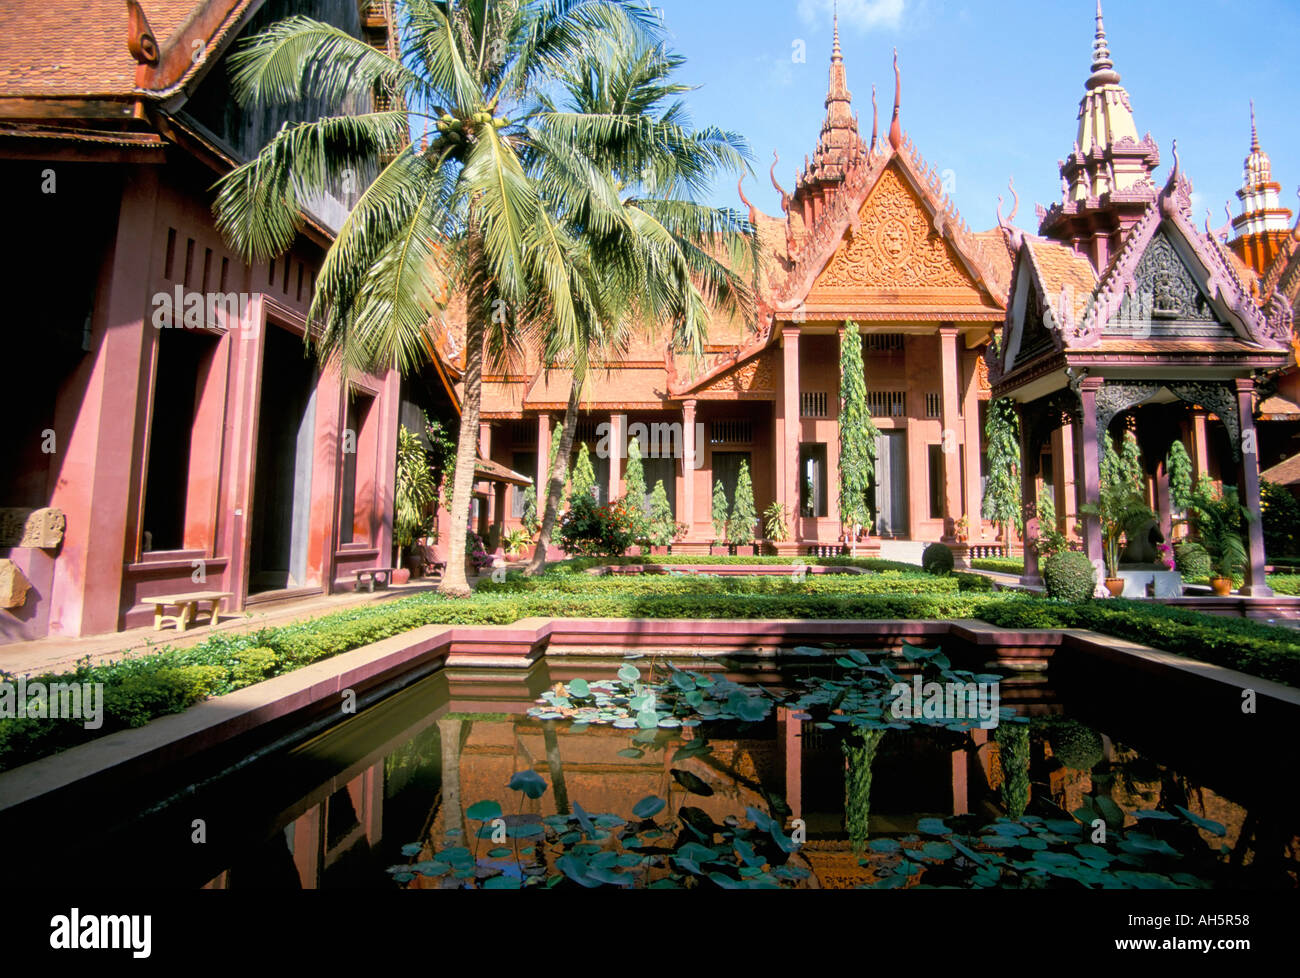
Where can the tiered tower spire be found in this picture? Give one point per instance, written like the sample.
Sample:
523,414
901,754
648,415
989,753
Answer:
840,141
1263,224
1106,179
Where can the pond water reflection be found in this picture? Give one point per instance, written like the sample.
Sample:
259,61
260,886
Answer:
414,793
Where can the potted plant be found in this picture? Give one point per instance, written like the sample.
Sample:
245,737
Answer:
776,524
962,529
516,544
659,528
1122,503
1217,519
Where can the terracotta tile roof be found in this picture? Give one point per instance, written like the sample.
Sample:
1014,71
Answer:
1279,409
1174,346
488,471
67,48
1060,267
1284,473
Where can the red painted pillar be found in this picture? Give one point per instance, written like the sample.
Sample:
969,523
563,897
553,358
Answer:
690,463
1029,499
617,448
95,429
1090,462
788,464
1256,580
949,442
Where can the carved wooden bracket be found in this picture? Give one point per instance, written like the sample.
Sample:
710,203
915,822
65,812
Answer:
139,35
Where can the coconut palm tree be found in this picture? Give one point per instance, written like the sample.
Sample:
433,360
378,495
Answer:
466,211
663,257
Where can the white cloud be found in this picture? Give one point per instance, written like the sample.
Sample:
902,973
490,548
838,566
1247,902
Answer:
863,14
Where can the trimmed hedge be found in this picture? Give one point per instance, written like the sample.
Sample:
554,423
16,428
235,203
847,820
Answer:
937,559
1070,576
170,680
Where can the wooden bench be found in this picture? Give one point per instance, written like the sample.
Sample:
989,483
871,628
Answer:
368,578
188,606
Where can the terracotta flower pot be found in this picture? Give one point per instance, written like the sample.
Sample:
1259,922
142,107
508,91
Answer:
1222,586
401,575
1115,585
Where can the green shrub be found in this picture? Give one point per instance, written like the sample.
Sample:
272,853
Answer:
1075,745
139,698
937,559
1192,560
591,530
252,666
1281,516
1069,576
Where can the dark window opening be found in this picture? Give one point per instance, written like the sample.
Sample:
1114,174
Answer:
937,482
812,481
176,392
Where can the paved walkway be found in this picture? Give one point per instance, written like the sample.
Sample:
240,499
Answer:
62,654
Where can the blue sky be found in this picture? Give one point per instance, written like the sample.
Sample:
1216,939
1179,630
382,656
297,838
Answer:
991,88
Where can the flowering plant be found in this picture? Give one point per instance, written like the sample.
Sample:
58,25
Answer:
477,553
1167,556
589,530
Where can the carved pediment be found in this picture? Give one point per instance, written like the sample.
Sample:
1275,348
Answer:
1165,289
756,377
894,246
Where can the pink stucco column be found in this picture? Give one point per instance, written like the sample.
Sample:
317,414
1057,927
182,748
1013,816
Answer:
686,501
951,411
1029,499
617,446
971,439
1256,580
543,456
95,428
788,464
1090,462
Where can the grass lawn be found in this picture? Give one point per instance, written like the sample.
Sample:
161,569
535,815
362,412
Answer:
169,680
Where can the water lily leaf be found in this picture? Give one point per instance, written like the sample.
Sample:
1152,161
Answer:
647,719
584,819
412,849
576,870
579,688
1108,810
932,826
691,783
884,845
1214,828
629,674
529,782
503,883
938,850
1146,813
631,752
649,807
683,681
484,811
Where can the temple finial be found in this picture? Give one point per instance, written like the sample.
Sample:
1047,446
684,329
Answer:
896,127
1254,133
836,54
1103,68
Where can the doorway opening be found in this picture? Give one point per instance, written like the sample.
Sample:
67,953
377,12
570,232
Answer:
282,482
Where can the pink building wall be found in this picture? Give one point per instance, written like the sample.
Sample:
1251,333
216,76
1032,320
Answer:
105,409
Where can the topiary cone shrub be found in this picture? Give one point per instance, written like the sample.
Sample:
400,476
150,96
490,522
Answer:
938,560
1070,576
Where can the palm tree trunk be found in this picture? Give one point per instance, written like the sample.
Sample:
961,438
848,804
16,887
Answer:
555,487
455,582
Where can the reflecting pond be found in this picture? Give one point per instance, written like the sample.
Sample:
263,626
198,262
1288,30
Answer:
733,773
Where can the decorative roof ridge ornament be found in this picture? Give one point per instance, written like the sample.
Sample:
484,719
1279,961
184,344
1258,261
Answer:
1013,235
140,40
875,121
895,126
753,211
1176,198
785,197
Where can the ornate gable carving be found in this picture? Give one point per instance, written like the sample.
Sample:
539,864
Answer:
894,245
756,377
1035,335
1174,294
